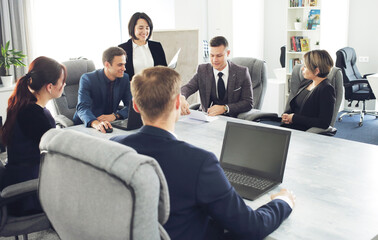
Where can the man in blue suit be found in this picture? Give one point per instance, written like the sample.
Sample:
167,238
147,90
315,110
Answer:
203,203
101,91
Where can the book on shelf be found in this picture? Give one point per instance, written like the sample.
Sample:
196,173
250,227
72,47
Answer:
313,21
297,45
305,44
313,3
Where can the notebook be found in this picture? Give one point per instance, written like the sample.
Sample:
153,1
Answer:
133,121
254,157
173,62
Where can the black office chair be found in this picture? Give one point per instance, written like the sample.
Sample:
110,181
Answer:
357,88
282,56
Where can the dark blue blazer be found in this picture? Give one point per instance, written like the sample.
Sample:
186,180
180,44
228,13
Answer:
92,96
203,203
157,53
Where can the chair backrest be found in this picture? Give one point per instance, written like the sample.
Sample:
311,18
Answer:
66,104
92,188
282,56
258,71
346,60
336,79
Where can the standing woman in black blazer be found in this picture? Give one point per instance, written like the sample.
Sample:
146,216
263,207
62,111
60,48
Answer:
314,102
142,52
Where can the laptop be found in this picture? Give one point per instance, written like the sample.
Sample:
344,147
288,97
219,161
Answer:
254,157
173,62
134,121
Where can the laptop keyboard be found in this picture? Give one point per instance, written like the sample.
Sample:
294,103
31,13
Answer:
249,181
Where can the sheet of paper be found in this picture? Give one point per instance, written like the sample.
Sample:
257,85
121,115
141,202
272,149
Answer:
201,116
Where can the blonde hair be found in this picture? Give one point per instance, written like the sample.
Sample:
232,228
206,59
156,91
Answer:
154,91
319,59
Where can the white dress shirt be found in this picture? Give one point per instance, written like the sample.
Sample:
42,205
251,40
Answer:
142,57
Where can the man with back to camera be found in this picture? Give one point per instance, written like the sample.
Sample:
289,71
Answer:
224,87
101,91
203,202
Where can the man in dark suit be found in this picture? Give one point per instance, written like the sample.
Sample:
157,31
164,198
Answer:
203,203
224,87
101,91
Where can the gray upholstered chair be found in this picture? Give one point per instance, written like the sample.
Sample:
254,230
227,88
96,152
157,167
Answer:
336,79
258,71
66,105
14,225
92,188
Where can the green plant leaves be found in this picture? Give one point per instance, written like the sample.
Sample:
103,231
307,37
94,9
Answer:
11,57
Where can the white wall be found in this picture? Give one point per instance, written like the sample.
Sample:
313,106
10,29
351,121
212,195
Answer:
248,28
220,20
274,33
363,34
161,12
183,20
334,25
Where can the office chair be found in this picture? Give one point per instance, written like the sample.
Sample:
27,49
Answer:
14,225
335,78
66,105
357,88
93,188
282,56
258,72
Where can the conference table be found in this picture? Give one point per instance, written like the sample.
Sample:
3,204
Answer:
335,180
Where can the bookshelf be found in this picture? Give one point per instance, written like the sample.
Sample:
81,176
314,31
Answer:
303,39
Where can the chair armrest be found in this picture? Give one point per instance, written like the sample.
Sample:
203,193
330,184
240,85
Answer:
368,74
257,115
330,131
195,106
18,190
355,82
63,121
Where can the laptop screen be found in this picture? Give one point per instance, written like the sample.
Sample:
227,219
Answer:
258,150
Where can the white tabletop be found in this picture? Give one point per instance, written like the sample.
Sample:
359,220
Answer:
335,181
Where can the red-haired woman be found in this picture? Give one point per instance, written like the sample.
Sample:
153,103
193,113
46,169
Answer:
27,120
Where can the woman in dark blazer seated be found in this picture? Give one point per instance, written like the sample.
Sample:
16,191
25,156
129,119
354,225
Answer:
314,102
142,52
27,120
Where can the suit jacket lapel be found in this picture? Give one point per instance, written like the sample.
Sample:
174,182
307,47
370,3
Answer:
101,78
207,84
231,82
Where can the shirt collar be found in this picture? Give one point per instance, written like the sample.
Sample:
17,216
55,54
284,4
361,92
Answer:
224,71
136,45
155,131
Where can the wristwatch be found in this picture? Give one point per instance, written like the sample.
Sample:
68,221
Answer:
226,109
116,116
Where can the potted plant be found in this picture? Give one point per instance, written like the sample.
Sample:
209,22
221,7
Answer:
7,59
298,24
